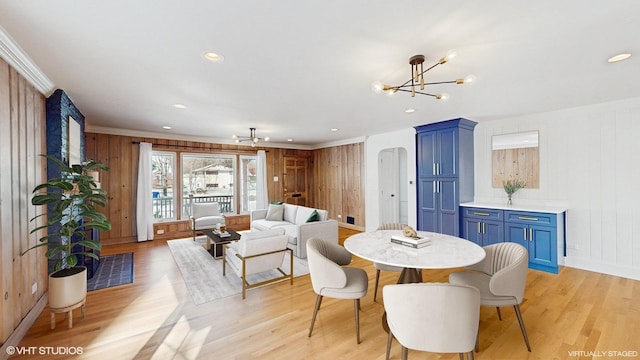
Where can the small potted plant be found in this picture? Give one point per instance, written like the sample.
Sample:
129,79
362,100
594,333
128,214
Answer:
511,186
72,199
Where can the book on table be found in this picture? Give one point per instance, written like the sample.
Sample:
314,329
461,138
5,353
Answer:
410,241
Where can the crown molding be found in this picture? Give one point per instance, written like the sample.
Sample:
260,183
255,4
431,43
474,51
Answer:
17,58
212,140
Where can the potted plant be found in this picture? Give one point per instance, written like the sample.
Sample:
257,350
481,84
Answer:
72,200
511,186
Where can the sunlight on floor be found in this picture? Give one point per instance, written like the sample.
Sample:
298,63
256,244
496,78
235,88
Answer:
145,327
182,342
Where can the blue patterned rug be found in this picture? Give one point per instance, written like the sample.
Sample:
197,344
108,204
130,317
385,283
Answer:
114,270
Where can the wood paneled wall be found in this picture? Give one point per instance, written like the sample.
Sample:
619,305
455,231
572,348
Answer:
22,140
338,174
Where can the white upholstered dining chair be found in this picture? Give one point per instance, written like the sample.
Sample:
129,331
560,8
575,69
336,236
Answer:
382,267
330,278
434,317
501,278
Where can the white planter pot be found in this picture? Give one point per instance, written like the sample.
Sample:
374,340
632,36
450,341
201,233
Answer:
67,290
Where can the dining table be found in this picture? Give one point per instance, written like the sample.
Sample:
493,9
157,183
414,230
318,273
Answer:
442,252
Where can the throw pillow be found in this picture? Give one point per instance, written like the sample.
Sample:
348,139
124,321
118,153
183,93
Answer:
313,217
275,212
275,202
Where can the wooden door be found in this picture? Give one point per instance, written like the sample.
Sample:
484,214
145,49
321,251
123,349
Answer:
295,181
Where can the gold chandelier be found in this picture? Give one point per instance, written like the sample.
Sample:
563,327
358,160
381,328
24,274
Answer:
417,79
251,138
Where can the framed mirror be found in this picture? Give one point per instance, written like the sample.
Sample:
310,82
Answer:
516,155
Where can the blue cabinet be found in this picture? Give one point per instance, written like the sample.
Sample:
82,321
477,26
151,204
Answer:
483,226
444,161
539,232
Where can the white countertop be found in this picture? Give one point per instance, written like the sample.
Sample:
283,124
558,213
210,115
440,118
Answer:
534,208
444,252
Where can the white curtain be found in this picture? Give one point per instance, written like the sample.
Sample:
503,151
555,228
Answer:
144,211
262,196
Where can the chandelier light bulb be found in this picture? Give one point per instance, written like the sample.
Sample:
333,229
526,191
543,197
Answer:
470,79
443,96
377,87
266,138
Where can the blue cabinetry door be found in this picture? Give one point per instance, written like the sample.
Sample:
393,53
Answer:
440,161
538,233
483,226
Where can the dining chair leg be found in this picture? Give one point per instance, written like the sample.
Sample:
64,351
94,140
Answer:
461,356
477,347
524,331
315,312
389,344
405,353
356,306
499,314
470,356
375,293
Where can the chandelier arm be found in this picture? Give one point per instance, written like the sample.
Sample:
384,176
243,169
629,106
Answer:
429,83
417,92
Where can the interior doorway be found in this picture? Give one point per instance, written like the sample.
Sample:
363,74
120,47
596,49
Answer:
392,180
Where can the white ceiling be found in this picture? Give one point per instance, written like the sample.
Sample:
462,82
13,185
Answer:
295,69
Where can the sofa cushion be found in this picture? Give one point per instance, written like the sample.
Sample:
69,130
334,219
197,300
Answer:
264,224
254,235
303,214
290,213
275,212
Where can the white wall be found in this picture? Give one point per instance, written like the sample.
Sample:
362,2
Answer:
398,139
589,162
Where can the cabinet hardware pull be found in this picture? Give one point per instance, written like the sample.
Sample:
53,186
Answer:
434,187
484,228
481,213
530,234
527,218
479,232
434,171
437,168
524,233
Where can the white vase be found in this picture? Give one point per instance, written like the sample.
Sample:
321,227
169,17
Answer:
67,290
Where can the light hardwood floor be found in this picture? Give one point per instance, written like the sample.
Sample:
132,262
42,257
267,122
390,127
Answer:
154,318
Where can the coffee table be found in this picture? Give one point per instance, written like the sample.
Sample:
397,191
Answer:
218,241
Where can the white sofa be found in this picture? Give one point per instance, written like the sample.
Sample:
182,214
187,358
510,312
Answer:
293,219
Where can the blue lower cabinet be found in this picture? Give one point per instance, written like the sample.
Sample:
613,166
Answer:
537,232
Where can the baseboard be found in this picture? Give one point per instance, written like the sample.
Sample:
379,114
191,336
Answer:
16,336
609,269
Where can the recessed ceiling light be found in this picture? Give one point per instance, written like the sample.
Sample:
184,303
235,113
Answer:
179,106
166,127
289,140
211,56
335,129
619,57
410,111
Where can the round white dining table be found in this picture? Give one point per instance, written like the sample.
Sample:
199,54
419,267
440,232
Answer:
443,252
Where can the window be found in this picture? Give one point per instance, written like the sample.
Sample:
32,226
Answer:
208,178
248,178
162,167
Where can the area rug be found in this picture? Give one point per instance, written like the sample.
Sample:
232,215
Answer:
203,274
114,270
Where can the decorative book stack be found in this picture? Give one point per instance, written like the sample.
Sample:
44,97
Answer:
414,242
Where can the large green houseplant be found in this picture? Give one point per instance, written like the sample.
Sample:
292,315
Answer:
72,200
